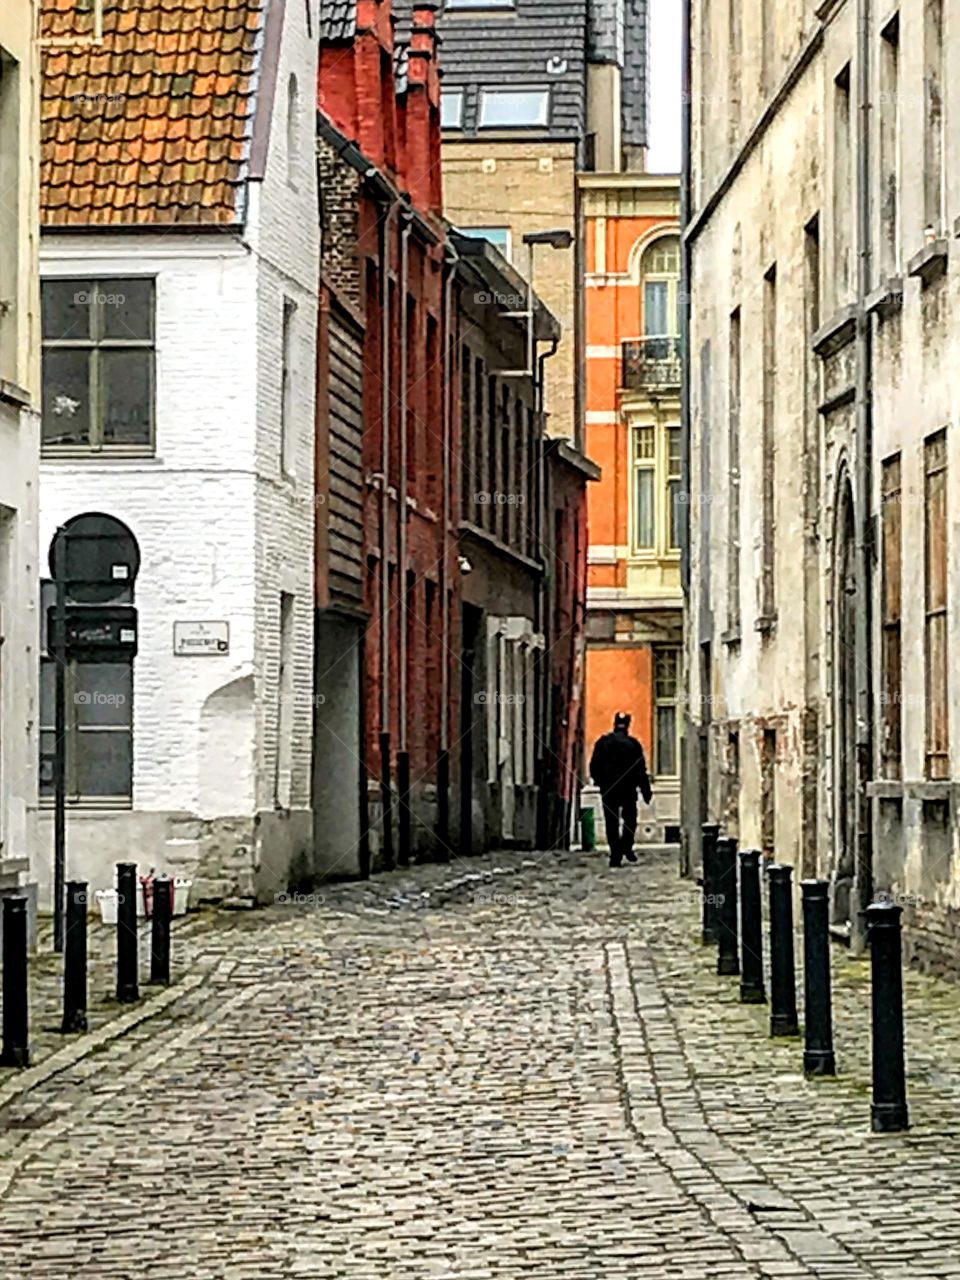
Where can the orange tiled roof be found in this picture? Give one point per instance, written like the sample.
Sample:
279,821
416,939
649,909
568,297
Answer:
151,127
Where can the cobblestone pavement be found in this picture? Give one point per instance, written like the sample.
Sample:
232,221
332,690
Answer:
451,1073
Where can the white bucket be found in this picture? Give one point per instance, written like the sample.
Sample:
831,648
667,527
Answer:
107,903
181,895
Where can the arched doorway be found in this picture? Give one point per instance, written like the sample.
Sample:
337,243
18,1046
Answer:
844,707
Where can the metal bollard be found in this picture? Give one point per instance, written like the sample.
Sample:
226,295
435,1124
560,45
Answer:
728,957
751,930
75,960
128,990
160,932
818,1055
403,803
708,881
889,1110
16,1033
783,982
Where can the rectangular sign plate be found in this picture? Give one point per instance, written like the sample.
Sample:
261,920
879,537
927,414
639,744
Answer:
201,639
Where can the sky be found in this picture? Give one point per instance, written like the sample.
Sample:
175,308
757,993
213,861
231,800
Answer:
665,87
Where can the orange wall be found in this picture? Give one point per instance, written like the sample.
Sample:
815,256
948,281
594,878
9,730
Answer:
620,679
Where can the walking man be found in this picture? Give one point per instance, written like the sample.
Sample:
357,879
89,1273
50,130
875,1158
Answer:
619,769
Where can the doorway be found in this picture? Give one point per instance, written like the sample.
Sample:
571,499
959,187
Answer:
845,711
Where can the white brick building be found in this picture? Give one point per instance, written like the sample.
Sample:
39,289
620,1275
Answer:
194,333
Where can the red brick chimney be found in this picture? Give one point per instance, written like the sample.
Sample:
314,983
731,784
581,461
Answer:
357,88
422,175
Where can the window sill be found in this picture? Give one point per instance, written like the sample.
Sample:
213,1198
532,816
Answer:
836,333
766,623
89,806
929,264
887,299
98,455
933,792
13,393
731,637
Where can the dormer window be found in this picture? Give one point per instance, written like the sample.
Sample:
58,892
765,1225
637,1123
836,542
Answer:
514,108
451,109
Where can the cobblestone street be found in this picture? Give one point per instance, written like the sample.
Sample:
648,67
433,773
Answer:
529,1073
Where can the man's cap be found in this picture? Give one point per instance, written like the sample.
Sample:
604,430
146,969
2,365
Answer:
621,720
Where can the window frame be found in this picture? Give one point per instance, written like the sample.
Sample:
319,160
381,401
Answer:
451,94
482,233
96,342
669,278
531,91
659,464
665,702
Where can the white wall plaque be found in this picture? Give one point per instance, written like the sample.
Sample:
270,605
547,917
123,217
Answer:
201,639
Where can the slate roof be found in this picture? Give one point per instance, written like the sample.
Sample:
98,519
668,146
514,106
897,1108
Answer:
338,19
636,81
153,126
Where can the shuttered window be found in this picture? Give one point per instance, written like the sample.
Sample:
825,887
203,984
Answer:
891,675
938,741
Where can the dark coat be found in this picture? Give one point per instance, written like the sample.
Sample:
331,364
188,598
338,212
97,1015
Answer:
618,766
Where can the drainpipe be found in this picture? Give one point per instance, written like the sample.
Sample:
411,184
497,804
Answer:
540,665
443,763
864,496
386,793
403,518
693,746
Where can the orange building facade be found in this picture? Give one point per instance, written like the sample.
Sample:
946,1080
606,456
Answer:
634,600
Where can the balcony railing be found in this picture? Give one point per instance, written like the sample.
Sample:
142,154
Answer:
651,364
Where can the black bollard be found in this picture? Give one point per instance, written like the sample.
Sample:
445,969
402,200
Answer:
818,1055
160,932
443,807
403,803
128,990
728,958
889,1110
751,930
386,802
75,960
708,881
783,982
16,1034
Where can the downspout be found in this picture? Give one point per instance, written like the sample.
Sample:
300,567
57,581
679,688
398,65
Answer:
864,476
403,517
540,666
443,763
385,409
694,748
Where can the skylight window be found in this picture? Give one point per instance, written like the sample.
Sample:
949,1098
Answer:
514,108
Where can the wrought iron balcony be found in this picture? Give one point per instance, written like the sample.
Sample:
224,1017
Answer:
651,364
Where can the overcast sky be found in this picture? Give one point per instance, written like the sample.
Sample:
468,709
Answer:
665,93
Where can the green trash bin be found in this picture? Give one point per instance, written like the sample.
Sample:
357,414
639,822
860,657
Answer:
588,830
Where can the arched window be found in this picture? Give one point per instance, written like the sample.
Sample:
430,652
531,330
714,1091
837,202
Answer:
660,276
100,561
293,130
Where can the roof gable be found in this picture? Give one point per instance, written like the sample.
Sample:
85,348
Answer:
152,126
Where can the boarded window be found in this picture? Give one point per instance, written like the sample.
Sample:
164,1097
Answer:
768,601
733,460
768,817
891,674
938,741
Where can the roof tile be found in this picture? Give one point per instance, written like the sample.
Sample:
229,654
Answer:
153,126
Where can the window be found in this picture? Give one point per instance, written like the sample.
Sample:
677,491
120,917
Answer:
499,237
645,488
891,662
889,144
9,207
674,476
293,131
451,109
287,429
842,187
98,365
660,272
657,484
514,108
768,792
768,600
283,761
933,157
733,464
935,514
666,679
